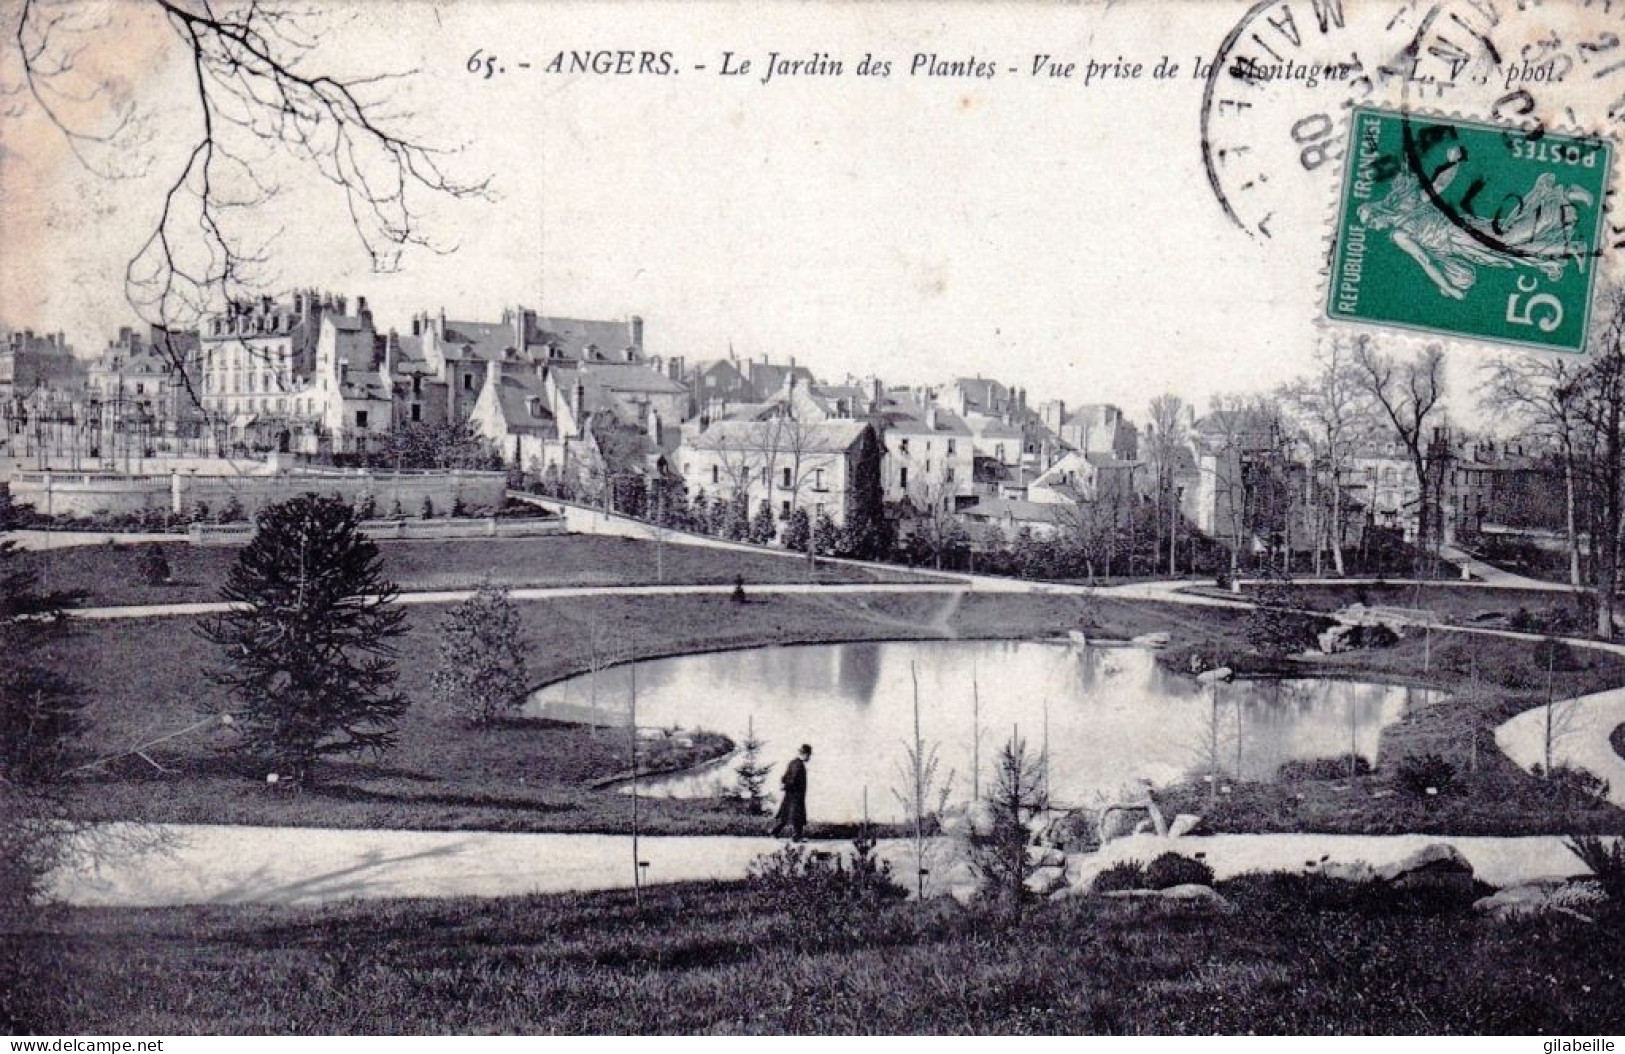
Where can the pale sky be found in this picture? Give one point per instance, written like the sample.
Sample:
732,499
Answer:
1058,236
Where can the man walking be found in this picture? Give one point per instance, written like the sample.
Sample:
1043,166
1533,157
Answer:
793,809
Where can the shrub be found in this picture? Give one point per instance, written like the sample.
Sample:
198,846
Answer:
1575,781
1606,862
1323,769
1375,636
1522,620
822,892
1421,774
1171,869
1126,874
1552,653
154,566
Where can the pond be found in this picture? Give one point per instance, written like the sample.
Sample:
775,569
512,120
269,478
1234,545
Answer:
1109,715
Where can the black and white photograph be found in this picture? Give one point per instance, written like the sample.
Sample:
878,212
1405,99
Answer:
797,517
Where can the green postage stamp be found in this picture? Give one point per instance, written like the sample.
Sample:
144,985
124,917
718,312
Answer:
1469,229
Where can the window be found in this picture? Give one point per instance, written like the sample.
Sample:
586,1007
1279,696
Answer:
902,445
716,474
786,482
417,412
784,509
818,480
140,389
998,451
361,418
950,446
468,382
766,474
902,477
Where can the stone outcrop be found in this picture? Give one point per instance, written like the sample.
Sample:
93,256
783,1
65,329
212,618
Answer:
1194,899
1437,866
1579,897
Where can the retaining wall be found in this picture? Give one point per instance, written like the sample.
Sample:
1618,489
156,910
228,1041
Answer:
91,493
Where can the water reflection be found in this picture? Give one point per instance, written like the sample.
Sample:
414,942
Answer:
1114,715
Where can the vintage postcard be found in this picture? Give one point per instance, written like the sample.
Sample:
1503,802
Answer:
638,518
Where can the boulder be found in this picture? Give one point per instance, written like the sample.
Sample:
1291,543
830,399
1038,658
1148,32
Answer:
1047,880
1183,824
1435,866
1192,898
1073,832
1193,895
1351,871
1118,823
1143,827
1338,638
1542,897
1043,857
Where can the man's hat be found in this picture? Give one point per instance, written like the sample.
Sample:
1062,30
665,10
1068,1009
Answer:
806,749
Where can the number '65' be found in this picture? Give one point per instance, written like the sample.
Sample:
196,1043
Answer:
1526,316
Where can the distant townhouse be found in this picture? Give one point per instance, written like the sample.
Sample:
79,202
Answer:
1078,478
1094,428
29,361
930,455
783,463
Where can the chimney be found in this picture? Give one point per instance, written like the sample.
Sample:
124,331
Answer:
417,326
392,347
654,425
493,372
931,417
578,406
637,331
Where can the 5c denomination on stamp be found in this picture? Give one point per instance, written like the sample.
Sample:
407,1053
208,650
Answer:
1469,229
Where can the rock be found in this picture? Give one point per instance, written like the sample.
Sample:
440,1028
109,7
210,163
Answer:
1144,826
1194,895
1183,824
1352,871
1223,673
1541,897
1046,880
1435,856
1192,898
976,817
1152,640
1118,823
1437,866
1044,857
1338,638
1075,831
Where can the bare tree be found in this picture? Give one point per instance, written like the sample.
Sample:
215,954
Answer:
1601,408
1409,392
1544,393
1166,440
1331,412
263,107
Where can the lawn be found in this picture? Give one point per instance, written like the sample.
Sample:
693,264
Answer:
111,574
144,680
1454,603
1300,956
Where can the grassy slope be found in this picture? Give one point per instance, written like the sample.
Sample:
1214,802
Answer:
731,958
1452,603
112,574
1617,740
535,776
